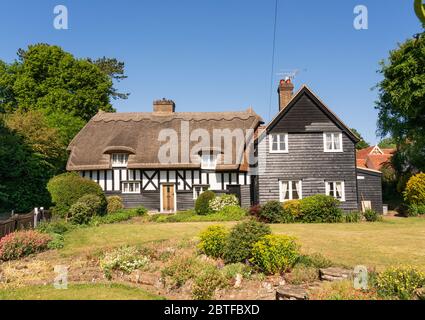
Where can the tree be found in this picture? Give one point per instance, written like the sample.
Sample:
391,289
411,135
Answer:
401,103
23,174
387,143
115,70
69,91
44,140
362,143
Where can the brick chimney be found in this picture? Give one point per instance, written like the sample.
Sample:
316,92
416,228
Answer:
164,106
285,90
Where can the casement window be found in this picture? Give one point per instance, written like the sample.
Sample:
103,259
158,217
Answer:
198,190
131,187
278,142
208,161
336,189
119,159
332,142
290,190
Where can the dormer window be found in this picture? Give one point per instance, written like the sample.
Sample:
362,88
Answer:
208,161
119,159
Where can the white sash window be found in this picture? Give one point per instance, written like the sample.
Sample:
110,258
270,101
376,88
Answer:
332,142
278,142
336,189
290,190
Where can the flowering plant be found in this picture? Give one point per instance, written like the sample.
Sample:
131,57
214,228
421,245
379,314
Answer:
22,243
219,203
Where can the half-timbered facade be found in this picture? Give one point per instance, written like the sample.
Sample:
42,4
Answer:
122,151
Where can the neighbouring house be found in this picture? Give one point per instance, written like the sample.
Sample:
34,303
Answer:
165,159
374,157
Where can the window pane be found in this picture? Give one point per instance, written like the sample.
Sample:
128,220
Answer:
338,191
282,141
285,190
295,190
337,142
328,141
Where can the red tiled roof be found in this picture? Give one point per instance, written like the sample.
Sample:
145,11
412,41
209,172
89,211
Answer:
363,153
367,159
361,163
376,161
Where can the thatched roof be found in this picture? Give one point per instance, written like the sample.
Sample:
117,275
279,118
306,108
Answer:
137,134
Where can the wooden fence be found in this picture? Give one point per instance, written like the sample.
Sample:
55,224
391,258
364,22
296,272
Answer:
23,221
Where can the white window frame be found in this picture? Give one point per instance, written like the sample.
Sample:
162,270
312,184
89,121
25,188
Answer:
333,135
202,190
127,191
290,190
117,164
278,136
328,189
209,164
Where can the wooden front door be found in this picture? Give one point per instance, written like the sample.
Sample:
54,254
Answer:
168,197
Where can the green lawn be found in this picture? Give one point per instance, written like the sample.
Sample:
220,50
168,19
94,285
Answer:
380,244
78,292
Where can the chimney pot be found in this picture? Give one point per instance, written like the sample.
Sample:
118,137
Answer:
164,106
285,90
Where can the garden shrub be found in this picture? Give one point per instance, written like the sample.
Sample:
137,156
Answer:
315,260
232,212
179,270
321,209
219,203
114,204
415,210
23,243
85,209
399,282
67,188
54,227
119,216
57,241
353,217
371,215
272,212
275,253
415,189
292,209
125,259
213,240
341,290
207,282
202,204
227,214
301,274
141,211
231,270
241,239
255,211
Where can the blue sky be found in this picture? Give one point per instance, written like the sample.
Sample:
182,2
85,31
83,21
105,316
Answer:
215,55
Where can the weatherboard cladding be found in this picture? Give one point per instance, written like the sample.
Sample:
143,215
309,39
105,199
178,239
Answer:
305,122
369,188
